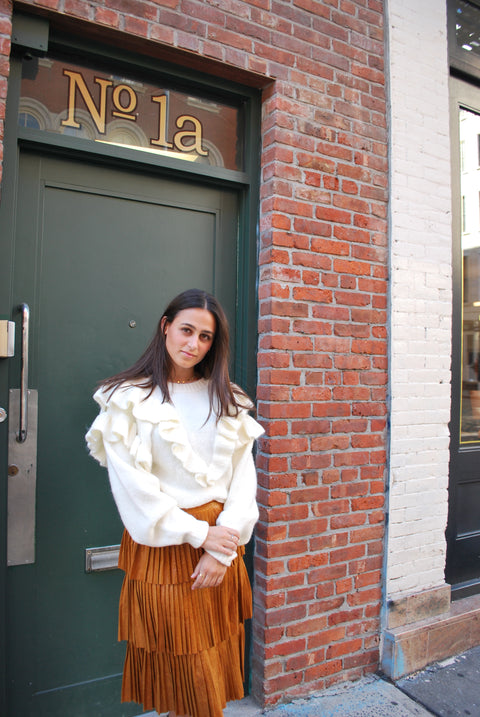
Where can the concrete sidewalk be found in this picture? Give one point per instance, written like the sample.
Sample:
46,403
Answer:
450,688
370,697
446,689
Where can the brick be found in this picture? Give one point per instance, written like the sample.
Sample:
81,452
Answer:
311,360
339,522
305,562
291,410
287,513
271,498
286,648
310,427
311,294
347,554
307,626
299,662
330,443
365,658
290,547
308,462
107,17
273,600
275,360
326,542
307,527
285,615
136,26
373,578
304,595
284,581
361,597
320,575
77,8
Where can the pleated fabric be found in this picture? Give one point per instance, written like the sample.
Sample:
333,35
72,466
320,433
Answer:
185,648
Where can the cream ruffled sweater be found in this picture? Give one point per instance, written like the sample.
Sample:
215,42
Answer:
162,457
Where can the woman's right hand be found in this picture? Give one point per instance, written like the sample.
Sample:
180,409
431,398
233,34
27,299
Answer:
223,540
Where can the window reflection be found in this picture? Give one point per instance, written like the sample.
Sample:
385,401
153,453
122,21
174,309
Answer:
470,197
467,26
64,98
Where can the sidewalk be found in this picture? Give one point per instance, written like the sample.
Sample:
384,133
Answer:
446,689
370,697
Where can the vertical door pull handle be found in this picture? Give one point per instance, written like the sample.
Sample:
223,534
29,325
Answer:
22,432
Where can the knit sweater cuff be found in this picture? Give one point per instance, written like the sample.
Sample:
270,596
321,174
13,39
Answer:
196,537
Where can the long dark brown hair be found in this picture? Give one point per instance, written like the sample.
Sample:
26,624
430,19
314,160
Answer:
154,366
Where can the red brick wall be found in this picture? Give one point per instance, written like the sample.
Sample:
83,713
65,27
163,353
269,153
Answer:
322,297
323,353
5,35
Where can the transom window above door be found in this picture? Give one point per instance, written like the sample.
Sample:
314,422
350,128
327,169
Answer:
64,98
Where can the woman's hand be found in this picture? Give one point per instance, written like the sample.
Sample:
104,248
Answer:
221,539
209,572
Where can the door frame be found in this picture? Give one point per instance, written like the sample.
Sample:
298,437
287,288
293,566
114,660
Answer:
247,184
462,95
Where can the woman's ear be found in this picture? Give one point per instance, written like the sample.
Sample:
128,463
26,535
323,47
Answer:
164,324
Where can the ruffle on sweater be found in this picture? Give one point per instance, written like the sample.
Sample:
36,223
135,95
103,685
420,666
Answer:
127,416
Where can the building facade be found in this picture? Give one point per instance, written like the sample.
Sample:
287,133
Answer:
306,160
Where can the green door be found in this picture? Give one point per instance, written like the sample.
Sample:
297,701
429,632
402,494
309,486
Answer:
99,251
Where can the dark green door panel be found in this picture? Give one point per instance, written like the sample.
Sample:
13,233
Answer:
99,251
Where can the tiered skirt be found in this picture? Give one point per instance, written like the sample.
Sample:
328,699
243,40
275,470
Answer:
185,648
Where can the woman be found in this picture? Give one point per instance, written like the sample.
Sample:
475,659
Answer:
177,439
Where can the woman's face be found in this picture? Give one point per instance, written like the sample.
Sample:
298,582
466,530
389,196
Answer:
188,339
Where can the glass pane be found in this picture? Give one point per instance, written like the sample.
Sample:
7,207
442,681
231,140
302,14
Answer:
467,26
470,197
60,97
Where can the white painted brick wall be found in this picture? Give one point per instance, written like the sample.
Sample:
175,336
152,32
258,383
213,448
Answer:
420,272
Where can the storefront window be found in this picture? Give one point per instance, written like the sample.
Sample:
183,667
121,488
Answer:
467,26
58,96
470,193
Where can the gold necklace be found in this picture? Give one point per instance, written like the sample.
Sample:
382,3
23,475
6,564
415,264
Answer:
187,380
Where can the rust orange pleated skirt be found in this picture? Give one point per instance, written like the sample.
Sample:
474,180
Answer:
185,648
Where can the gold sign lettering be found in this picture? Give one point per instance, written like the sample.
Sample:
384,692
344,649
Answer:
125,101
98,115
124,111
195,134
161,140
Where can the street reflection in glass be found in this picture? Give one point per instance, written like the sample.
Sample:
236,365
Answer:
470,215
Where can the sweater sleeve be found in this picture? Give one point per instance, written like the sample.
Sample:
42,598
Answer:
240,509
150,516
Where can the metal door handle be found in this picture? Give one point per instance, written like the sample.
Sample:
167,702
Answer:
22,433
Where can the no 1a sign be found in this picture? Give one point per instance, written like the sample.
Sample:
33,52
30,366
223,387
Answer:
124,100
57,96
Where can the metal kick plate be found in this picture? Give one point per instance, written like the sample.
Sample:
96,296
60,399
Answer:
22,479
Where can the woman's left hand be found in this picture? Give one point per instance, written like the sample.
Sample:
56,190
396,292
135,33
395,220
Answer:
209,572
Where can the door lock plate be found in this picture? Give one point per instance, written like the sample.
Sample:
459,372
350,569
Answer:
22,479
